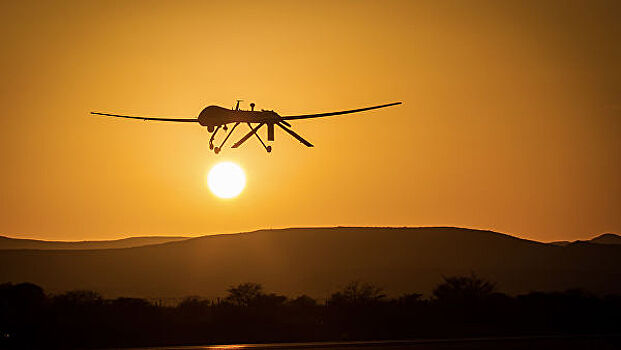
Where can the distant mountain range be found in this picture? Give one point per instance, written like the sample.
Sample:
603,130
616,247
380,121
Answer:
606,238
18,243
318,261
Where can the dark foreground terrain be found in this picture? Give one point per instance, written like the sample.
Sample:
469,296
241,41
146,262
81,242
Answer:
595,342
459,308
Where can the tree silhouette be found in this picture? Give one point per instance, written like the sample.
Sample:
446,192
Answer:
244,294
461,306
463,289
356,293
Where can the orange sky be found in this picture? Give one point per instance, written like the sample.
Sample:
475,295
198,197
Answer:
511,116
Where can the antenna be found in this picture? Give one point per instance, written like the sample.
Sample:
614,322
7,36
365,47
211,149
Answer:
237,106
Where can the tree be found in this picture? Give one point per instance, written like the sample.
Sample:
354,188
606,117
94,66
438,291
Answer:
464,289
244,294
357,293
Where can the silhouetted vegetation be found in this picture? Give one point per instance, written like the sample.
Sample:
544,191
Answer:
459,306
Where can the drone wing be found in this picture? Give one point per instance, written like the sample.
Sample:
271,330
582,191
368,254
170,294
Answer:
186,120
307,116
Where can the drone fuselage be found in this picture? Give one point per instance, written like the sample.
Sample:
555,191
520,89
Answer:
215,115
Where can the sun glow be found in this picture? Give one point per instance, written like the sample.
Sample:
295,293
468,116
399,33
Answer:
226,180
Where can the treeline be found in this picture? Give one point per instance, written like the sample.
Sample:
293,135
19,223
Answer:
463,306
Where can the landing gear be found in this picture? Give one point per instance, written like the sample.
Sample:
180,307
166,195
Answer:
213,135
253,131
217,149
267,148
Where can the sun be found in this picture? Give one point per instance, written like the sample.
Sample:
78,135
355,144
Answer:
226,180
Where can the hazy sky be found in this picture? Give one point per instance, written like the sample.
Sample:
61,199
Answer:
511,116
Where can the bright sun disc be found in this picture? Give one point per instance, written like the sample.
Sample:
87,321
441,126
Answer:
226,180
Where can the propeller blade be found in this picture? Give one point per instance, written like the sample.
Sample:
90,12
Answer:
248,135
298,137
285,122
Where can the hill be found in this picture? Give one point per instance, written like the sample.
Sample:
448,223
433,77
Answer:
17,243
606,238
317,261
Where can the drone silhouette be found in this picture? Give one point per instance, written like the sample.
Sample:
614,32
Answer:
216,118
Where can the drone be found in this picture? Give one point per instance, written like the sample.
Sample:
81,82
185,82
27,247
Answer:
215,118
